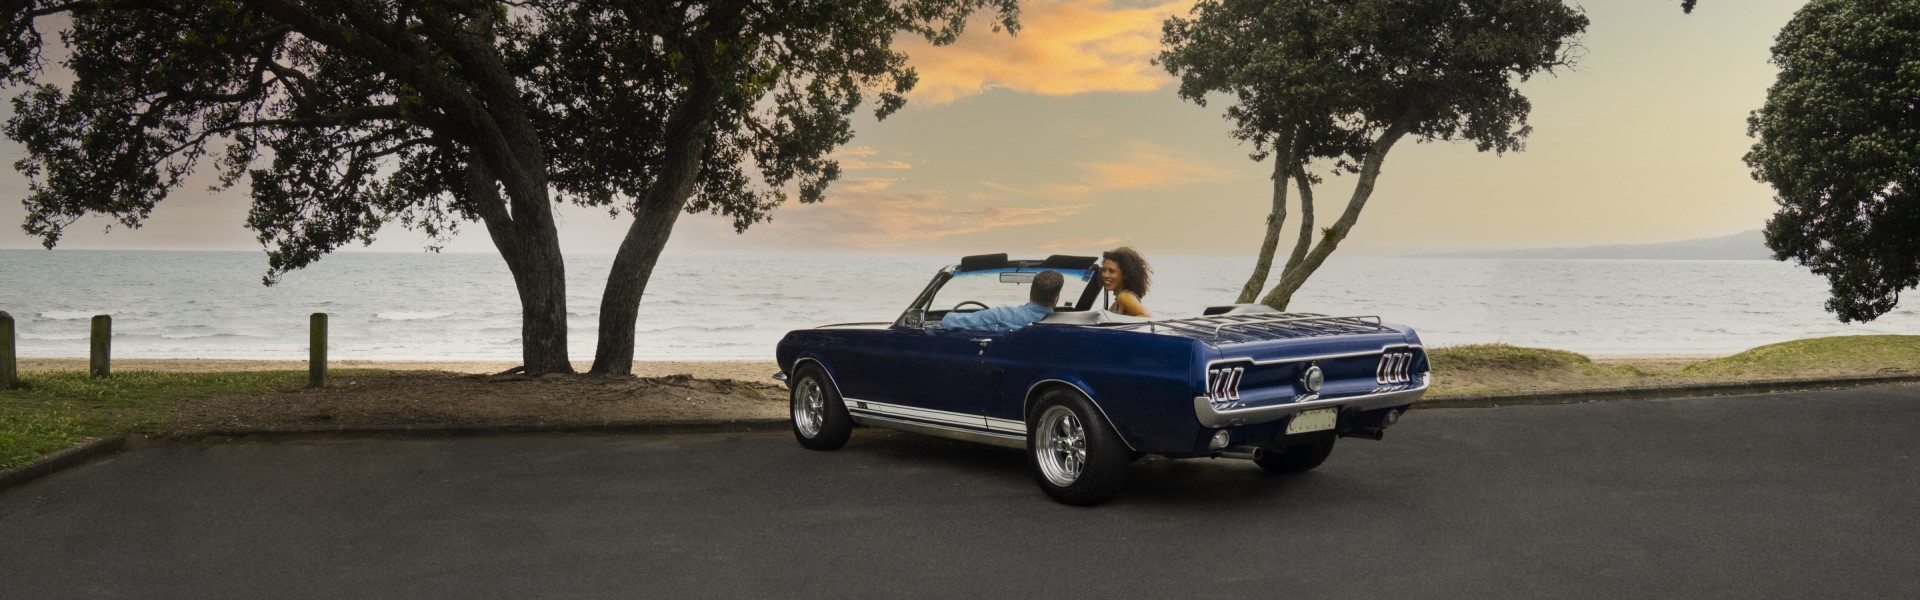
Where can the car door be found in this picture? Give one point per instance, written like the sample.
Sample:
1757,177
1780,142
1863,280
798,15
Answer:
935,376
861,359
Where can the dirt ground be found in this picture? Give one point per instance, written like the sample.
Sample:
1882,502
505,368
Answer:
435,398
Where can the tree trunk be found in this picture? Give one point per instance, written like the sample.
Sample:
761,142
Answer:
1301,245
1264,263
530,245
542,282
1293,278
632,268
1282,165
687,133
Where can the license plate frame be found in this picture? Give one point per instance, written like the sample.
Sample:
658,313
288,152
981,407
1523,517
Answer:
1309,421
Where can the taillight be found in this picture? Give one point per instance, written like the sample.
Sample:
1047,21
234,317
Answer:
1395,367
1224,384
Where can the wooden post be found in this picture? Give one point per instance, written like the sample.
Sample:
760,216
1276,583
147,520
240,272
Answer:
100,364
9,371
317,351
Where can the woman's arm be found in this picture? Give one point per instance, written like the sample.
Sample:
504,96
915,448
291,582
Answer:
1129,304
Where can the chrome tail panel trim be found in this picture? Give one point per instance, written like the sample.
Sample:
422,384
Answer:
1395,367
1209,416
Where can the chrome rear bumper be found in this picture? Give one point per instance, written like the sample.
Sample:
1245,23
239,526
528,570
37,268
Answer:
1214,417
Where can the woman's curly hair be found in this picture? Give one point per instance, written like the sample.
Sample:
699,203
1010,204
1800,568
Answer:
1135,275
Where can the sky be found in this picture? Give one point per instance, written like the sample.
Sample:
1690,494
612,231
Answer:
1066,138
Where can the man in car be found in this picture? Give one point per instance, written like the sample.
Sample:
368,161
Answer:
1045,293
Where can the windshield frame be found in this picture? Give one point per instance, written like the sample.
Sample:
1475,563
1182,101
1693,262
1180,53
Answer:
916,313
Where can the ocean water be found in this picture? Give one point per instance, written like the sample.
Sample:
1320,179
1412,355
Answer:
463,307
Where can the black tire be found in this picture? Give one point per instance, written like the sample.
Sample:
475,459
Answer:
1102,456
1296,459
834,425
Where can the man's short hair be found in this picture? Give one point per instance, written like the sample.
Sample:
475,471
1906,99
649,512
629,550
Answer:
1046,288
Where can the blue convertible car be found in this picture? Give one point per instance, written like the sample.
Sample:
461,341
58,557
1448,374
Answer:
1085,391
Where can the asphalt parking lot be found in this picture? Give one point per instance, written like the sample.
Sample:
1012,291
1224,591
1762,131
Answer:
1784,496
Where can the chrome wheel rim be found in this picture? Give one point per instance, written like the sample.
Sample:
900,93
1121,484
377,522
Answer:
809,407
1060,446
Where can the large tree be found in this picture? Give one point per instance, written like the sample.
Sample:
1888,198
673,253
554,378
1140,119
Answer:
1839,141
345,115
1339,83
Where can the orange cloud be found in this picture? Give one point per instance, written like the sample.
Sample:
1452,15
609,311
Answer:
1081,244
1143,166
868,213
864,185
1064,47
875,219
863,165
1147,166
861,158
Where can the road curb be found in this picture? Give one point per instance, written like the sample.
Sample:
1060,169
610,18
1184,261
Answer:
65,459
1660,392
726,426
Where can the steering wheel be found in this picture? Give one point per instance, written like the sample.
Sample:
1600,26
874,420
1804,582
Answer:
956,307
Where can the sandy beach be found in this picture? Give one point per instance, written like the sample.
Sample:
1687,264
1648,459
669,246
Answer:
752,371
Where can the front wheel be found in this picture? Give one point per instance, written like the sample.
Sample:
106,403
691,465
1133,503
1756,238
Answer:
1297,459
820,419
1076,457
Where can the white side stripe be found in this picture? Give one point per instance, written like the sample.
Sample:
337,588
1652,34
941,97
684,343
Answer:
937,416
1006,425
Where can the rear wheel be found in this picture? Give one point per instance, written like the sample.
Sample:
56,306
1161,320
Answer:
1076,457
820,419
1296,459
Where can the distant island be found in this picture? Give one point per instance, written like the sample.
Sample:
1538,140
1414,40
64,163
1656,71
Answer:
1746,245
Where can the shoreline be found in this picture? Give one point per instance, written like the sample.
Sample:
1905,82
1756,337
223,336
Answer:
745,370
756,371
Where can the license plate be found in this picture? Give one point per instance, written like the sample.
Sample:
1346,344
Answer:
1313,420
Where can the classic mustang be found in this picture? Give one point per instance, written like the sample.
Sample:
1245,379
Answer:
1085,391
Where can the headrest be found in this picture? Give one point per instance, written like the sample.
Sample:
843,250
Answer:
982,262
1238,309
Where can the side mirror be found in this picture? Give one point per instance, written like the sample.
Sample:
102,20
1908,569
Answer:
915,319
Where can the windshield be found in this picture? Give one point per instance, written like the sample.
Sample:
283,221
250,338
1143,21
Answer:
1001,287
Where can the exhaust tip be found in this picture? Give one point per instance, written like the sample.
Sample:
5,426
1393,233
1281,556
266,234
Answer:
1220,440
1244,452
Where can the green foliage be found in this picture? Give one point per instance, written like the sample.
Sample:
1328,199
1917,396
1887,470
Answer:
1852,354
348,114
1839,141
1326,77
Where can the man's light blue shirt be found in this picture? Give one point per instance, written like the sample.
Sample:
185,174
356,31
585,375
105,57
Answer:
999,318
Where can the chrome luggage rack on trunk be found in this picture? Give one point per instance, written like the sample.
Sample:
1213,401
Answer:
1267,326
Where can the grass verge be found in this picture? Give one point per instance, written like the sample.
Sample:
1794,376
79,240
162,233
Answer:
54,410
1503,369
1841,355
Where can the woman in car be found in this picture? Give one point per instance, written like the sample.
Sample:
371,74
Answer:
1125,274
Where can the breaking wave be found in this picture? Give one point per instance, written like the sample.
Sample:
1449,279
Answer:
410,316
